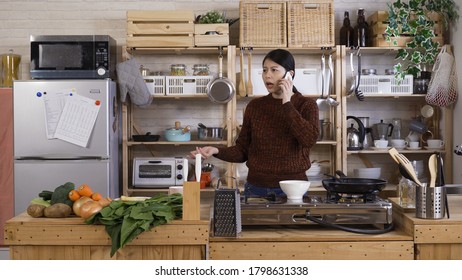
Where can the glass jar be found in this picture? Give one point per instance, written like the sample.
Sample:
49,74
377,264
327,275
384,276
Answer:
177,70
201,70
406,193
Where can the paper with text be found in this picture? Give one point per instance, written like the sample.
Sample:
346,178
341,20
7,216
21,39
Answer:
54,104
77,120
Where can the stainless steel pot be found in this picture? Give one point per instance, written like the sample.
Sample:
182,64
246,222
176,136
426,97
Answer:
210,133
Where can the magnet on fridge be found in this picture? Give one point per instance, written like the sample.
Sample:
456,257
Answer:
39,94
97,102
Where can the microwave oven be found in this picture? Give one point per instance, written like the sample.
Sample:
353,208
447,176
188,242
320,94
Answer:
72,57
158,172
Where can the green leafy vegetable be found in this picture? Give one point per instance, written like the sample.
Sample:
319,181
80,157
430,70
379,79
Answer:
125,220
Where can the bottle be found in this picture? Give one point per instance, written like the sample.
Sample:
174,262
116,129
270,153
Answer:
361,30
346,31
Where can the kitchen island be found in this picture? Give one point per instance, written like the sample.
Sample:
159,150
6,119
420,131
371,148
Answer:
434,239
71,239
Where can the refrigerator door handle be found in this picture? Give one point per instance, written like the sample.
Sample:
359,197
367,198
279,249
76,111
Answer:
61,158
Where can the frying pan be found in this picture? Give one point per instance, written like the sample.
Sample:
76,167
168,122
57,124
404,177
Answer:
220,90
353,185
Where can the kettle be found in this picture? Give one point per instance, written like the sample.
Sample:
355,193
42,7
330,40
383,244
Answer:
355,137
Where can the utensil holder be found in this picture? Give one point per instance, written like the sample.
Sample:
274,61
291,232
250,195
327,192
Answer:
430,202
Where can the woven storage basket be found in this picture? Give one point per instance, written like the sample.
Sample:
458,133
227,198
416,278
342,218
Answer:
311,23
263,24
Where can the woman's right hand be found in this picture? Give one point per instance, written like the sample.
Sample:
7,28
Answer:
206,151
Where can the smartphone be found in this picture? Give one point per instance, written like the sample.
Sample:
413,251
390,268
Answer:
288,76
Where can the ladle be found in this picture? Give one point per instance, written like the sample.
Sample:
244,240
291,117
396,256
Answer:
331,101
353,78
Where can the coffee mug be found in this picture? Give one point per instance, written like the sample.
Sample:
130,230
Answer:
380,143
414,144
398,143
435,143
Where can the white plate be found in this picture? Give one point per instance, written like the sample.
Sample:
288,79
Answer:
380,149
433,149
400,148
409,148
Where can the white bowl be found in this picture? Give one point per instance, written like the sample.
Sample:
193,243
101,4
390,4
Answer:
294,189
314,170
371,173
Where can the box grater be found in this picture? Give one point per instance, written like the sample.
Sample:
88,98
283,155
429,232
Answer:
227,212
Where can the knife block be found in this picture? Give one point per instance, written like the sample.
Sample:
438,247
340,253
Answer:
191,201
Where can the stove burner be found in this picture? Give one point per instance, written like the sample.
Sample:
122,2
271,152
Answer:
333,197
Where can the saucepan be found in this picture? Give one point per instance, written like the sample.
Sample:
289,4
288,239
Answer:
220,90
347,185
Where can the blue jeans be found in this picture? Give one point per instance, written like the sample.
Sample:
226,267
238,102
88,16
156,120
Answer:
254,191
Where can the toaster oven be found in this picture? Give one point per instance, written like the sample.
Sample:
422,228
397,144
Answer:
158,172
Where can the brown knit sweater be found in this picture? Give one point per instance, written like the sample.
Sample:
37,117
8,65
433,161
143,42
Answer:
275,139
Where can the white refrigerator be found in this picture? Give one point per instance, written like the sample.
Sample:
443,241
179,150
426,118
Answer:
43,161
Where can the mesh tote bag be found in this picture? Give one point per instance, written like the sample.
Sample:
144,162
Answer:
442,89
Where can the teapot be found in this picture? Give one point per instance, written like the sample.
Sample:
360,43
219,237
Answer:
382,129
355,137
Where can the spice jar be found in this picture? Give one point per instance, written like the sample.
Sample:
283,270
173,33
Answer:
177,70
201,70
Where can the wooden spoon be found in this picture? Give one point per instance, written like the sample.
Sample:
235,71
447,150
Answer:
242,80
249,88
432,165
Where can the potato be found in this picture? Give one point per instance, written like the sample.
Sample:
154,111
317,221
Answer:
36,210
58,210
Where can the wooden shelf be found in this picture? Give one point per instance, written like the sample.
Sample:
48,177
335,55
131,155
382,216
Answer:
223,142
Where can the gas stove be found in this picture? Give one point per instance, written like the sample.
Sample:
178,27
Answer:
332,210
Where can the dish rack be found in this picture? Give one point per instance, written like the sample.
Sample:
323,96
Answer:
385,84
186,85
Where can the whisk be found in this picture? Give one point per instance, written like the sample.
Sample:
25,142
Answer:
359,94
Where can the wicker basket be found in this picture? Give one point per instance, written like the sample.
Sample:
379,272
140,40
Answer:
263,24
311,23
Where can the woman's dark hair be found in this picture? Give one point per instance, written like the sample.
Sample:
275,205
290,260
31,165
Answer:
283,58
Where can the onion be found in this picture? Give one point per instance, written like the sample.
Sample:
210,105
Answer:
89,208
78,204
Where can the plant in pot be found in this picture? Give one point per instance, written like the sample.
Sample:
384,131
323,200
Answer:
417,18
211,23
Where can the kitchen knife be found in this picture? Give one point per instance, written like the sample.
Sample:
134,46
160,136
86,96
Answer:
198,167
432,168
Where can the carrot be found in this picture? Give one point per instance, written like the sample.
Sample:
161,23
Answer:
96,196
85,190
74,195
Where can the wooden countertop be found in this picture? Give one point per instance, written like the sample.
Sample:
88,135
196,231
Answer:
432,231
26,230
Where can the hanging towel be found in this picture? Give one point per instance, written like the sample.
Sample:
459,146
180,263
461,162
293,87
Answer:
131,82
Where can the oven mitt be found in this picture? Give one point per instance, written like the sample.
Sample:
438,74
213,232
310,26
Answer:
131,82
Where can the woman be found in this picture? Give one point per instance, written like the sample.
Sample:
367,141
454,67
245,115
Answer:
277,133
